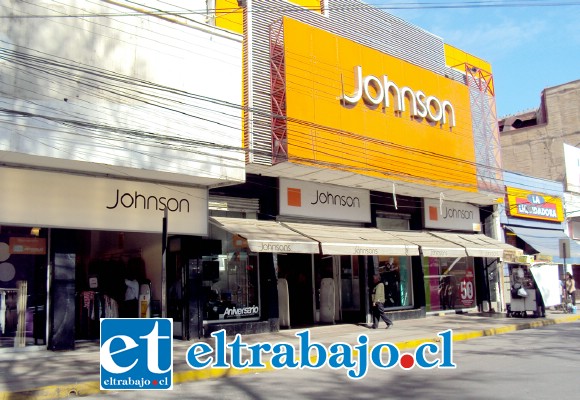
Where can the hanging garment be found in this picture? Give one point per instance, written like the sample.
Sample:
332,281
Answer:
2,312
11,312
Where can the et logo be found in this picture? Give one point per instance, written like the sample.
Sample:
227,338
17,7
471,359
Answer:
136,354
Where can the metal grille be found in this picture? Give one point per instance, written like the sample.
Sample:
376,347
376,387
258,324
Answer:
278,96
225,203
485,129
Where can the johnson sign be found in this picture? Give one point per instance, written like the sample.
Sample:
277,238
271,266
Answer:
317,200
382,90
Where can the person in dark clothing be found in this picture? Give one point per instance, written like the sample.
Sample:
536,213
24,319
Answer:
571,287
378,300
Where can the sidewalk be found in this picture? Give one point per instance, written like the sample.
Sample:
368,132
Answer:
37,373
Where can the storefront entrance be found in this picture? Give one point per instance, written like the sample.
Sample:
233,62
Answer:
450,283
298,272
23,264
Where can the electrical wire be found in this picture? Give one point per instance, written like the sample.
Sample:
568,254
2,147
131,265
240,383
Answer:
288,8
320,127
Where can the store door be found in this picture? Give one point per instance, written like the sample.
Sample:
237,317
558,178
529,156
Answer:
190,263
23,261
298,272
326,268
352,288
62,328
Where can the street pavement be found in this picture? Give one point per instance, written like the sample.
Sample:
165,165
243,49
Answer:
36,373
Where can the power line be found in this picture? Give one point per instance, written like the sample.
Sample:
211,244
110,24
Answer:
290,9
299,122
376,168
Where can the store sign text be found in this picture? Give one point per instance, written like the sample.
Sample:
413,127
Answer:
377,92
536,199
529,209
335,199
525,204
241,312
457,213
275,248
365,251
128,200
439,253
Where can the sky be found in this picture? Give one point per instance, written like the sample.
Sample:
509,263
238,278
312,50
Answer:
530,48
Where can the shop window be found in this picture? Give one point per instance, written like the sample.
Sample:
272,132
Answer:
449,283
23,275
350,286
396,275
231,285
575,229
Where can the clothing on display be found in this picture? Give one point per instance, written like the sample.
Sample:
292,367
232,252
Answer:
91,307
8,312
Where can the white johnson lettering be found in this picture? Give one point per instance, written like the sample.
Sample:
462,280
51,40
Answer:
336,199
137,200
420,105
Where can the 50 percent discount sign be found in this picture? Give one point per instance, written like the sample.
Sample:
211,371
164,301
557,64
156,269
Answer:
467,292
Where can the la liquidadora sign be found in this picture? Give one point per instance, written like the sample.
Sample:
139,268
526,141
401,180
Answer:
356,360
525,204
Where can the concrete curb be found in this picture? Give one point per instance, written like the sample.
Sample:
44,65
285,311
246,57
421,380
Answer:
91,388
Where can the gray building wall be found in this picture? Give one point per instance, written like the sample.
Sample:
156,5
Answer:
538,150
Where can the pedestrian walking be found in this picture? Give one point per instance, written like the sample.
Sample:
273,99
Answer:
571,287
378,301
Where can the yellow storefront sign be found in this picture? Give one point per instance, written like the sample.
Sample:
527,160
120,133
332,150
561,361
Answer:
532,205
353,108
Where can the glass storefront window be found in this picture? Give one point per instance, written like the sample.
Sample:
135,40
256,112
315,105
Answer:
449,283
23,273
396,274
350,286
231,285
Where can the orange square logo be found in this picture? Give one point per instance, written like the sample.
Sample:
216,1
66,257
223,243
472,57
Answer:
433,213
294,197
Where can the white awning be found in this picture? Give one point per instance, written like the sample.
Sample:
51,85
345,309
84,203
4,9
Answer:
476,245
340,240
291,237
267,236
509,252
432,246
